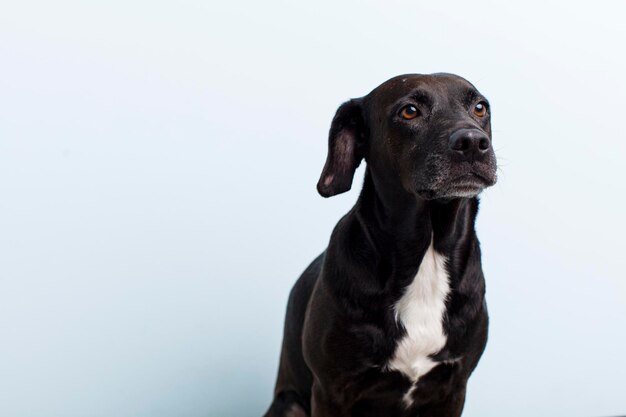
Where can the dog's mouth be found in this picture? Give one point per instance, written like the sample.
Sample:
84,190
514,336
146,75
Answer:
466,185
474,179
470,184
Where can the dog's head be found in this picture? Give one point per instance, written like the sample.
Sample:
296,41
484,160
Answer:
430,133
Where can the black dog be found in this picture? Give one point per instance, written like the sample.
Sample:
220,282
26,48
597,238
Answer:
391,319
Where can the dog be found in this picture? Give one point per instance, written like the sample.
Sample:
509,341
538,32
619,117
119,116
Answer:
390,320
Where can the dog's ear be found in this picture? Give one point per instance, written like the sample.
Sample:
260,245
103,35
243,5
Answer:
345,149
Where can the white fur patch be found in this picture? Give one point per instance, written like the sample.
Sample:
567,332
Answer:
421,310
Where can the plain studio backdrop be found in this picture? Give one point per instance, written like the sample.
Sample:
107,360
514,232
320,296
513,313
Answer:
158,165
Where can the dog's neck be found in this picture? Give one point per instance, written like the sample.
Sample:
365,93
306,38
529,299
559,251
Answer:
401,223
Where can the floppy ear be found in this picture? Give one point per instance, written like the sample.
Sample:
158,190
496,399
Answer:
345,149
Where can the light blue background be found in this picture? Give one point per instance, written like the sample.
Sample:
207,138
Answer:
158,164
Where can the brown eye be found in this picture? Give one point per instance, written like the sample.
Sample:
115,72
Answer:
409,112
480,109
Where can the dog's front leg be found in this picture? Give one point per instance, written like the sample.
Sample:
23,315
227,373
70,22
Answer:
326,404
452,406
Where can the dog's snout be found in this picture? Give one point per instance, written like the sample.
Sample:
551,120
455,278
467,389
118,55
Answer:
469,143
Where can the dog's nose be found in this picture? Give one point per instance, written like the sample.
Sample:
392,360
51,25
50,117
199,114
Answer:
469,143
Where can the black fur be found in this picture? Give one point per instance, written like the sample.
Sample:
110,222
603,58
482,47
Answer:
420,183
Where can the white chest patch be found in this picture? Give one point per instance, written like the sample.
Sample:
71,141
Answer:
421,310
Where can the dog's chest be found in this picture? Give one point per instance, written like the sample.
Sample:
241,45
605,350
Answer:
421,311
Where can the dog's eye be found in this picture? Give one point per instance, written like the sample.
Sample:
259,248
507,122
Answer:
409,112
480,110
